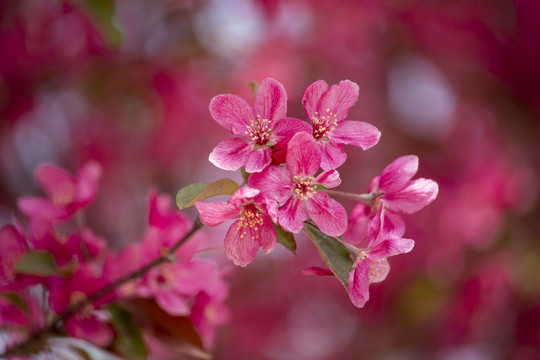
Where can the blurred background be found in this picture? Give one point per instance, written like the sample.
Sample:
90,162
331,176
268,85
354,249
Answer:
128,82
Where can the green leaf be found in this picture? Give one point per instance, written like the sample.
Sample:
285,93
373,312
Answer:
37,262
285,238
254,87
129,342
334,254
103,13
189,195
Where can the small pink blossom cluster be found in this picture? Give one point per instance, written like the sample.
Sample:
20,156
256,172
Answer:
291,164
60,259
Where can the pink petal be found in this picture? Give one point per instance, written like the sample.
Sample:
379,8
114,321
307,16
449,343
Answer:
271,100
231,154
385,224
173,303
213,214
332,155
41,208
317,271
286,128
292,215
339,99
311,97
232,112
267,235
357,133
358,283
57,183
12,243
397,174
329,215
240,244
275,182
419,193
329,179
87,183
378,270
303,158
257,160
89,328
391,247
357,227
242,195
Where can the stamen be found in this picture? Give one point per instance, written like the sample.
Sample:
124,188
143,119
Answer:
304,187
250,218
77,297
259,130
322,125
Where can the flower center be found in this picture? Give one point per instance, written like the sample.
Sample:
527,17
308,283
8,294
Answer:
63,194
77,297
252,218
259,130
304,187
323,124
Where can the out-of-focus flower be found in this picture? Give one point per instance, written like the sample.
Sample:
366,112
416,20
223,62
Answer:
66,194
326,108
295,186
260,127
253,229
12,247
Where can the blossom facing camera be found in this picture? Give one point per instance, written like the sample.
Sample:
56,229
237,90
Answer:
257,128
296,187
252,229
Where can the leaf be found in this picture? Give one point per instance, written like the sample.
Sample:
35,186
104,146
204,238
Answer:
37,262
129,342
199,191
285,238
332,252
254,87
189,195
245,174
103,13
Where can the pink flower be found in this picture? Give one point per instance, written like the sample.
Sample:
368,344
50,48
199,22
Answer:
400,193
12,247
259,127
295,186
209,311
326,109
253,229
371,266
66,194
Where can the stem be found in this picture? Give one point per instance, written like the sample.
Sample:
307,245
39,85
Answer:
40,335
366,198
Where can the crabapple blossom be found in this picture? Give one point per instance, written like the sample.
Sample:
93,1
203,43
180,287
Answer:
258,127
326,109
253,229
296,188
67,194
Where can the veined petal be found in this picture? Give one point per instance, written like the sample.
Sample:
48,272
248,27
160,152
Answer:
57,183
329,179
397,174
267,235
231,154
419,193
292,215
303,157
385,224
213,214
339,99
258,159
271,100
329,215
358,283
357,133
311,97
232,112
287,127
332,155
358,224
240,243
275,182
243,194
391,247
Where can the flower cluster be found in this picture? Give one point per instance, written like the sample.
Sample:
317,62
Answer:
89,286
291,164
